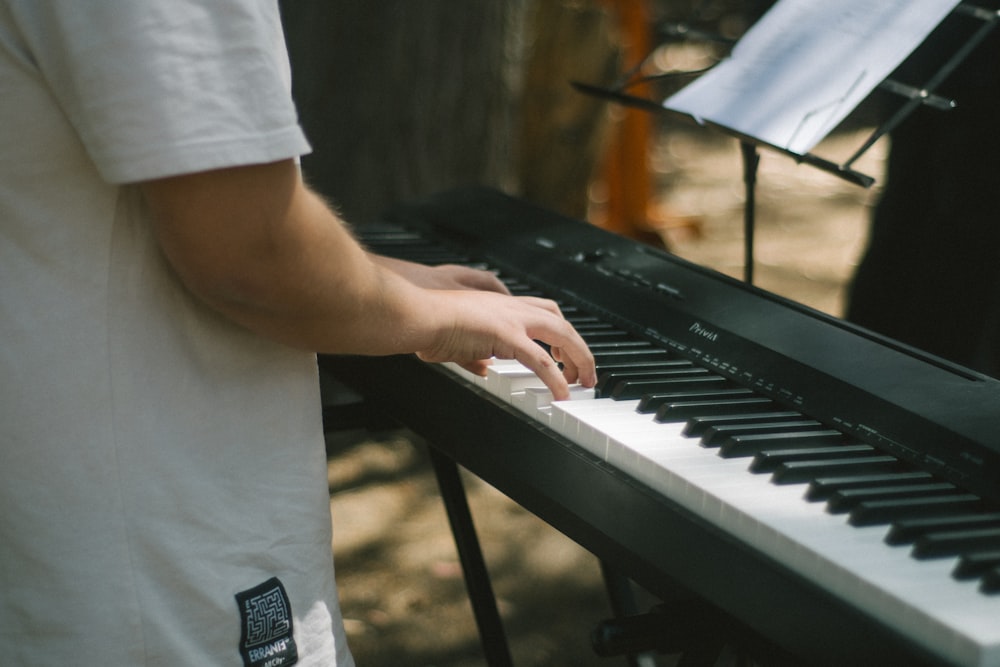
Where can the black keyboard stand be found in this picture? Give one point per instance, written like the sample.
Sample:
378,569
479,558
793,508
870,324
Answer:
477,578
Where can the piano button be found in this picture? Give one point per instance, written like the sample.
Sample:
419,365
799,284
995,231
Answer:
696,426
749,444
706,406
681,380
956,542
975,565
844,500
801,472
821,488
875,512
906,531
651,403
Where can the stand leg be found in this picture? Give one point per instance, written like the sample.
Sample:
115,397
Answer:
751,159
623,604
477,579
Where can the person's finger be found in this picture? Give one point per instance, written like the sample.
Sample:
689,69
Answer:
568,348
538,360
477,366
569,368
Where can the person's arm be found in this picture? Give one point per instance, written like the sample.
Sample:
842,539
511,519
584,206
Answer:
256,245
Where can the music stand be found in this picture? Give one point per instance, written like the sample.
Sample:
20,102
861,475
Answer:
913,97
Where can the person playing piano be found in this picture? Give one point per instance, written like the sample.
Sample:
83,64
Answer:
166,279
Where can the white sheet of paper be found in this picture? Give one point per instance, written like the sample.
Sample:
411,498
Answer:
805,65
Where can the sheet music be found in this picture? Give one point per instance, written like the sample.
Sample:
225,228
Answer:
806,64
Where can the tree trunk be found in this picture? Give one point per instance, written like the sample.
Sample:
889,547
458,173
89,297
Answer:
401,98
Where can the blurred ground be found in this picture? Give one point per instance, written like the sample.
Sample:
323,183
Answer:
400,583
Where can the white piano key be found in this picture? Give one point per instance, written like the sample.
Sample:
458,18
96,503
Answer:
578,392
536,402
569,418
503,380
452,367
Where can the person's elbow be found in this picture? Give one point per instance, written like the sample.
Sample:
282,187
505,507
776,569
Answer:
221,230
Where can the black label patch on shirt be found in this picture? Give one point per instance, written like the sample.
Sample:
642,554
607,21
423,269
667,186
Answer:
266,626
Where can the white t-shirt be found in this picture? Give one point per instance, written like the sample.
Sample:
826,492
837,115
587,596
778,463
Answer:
163,490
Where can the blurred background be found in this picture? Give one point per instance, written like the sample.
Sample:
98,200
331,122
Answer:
404,99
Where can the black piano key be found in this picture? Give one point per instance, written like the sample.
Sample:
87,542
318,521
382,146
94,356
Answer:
769,460
955,542
696,426
428,256
518,288
609,333
678,370
608,375
750,444
877,512
676,411
823,487
715,436
610,345
589,323
568,310
845,500
800,472
990,582
906,531
681,380
976,564
641,354
650,403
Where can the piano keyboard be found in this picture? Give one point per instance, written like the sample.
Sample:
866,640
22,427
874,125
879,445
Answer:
916,551
920,596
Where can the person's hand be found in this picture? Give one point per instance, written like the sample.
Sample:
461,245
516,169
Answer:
444,276
487,325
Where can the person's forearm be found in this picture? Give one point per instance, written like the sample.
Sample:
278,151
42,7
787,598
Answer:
292,272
